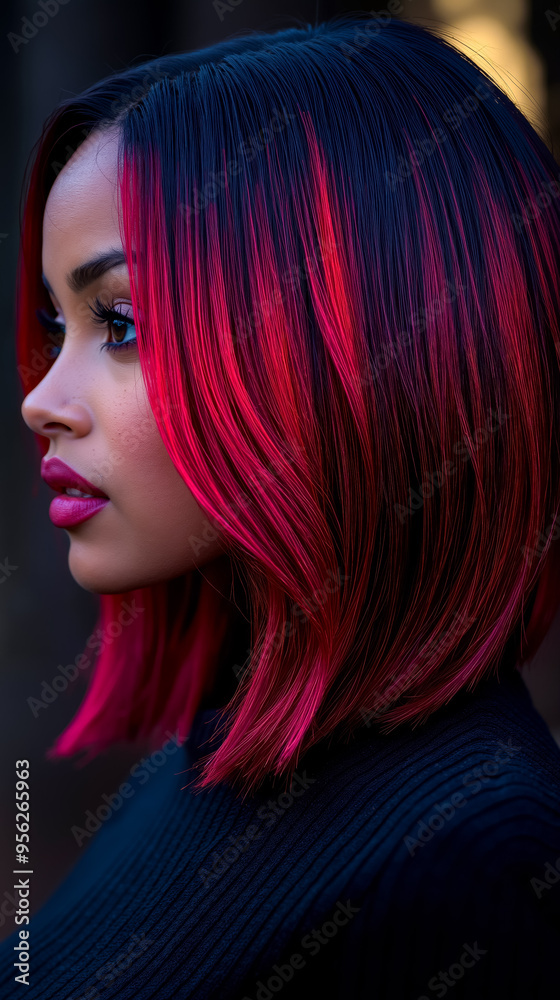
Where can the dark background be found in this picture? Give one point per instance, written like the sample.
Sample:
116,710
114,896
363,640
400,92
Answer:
45,616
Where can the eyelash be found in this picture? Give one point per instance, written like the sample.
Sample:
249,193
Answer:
102,313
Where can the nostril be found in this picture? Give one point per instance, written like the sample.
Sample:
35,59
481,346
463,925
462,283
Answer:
53,426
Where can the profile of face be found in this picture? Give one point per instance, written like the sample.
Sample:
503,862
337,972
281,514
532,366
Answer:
92,402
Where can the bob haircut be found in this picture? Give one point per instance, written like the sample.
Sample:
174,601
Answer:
345,287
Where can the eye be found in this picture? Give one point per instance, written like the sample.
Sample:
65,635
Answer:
54,329
103,314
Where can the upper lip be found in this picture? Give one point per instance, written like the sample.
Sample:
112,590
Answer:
57,474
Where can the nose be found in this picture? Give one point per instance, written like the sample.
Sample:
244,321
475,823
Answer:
54,407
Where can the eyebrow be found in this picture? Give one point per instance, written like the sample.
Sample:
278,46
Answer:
85,274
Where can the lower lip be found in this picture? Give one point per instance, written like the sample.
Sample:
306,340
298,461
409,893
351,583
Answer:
65,511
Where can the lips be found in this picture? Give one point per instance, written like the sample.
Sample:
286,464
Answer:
66,510
60,476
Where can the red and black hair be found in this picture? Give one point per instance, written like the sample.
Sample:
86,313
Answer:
345,268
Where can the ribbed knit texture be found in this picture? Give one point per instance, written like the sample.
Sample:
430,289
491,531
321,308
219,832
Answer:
476,900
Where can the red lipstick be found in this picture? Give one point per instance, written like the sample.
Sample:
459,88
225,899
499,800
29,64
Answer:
67,510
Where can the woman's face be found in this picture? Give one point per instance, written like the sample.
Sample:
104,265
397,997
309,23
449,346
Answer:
92,403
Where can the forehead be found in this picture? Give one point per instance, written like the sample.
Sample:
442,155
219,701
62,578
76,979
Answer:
81,210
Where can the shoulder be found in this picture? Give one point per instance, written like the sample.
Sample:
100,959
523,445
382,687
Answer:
469,811
486,749
477,789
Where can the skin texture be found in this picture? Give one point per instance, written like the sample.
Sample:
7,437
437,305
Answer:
90,399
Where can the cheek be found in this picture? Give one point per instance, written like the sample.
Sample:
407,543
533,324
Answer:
149,491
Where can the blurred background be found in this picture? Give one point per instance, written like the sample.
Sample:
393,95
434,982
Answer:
53,49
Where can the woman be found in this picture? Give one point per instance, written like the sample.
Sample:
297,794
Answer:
302,365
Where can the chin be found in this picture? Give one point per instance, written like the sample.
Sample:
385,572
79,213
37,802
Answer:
110,572
100,575
108,569
100,584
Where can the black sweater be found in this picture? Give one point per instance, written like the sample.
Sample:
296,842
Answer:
400,867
